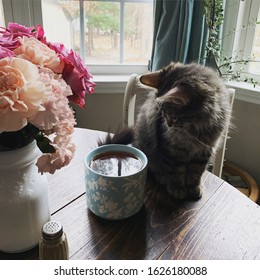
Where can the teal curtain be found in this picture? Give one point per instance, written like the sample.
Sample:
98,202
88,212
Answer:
179,32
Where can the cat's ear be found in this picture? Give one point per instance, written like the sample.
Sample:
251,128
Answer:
178,96
152,79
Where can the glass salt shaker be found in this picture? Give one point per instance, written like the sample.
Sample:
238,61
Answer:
53,244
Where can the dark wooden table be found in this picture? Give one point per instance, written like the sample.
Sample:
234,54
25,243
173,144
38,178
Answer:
223,224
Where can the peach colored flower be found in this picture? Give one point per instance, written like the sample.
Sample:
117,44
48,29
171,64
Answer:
71,66
21,93
56,106
51,162
38,53
37,80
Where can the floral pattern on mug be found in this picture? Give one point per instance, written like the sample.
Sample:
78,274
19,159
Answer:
115,202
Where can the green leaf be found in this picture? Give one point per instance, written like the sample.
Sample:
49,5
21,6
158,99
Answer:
44,144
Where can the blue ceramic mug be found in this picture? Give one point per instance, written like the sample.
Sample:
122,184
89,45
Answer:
119,195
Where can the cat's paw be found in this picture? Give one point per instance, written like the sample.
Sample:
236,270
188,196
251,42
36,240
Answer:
195,192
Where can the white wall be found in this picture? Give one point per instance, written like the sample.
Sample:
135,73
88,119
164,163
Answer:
243,149
103,112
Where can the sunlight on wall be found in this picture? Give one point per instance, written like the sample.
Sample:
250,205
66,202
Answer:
56,25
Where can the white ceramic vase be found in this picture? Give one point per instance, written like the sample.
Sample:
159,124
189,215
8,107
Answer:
24,203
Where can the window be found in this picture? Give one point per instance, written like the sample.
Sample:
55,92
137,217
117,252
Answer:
242,34
111,32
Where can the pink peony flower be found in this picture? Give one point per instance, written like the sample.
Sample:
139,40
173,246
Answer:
33,50
10,36
21,93
57,118
75,74
8,40
63,146
52,162
18,30
4,52
56,106
37,81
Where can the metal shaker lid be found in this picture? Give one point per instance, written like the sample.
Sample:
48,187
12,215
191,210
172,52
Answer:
52,230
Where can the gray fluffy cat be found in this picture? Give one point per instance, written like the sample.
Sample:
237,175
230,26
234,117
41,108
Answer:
179,127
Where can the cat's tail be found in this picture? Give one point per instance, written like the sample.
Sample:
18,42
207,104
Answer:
123,136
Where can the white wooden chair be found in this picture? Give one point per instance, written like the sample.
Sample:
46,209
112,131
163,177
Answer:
135,94
220,154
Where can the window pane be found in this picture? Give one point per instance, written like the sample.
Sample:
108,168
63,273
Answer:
118,32
115,32
254,67
2,21
138,32
102,31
